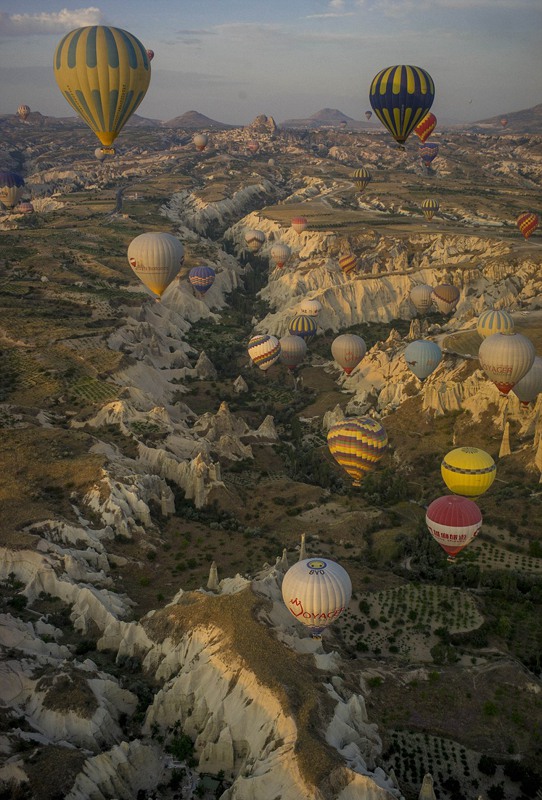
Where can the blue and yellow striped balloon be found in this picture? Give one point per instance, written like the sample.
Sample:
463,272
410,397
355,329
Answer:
401,96
202,278
357,445
103,73
494,321
430,208
303,326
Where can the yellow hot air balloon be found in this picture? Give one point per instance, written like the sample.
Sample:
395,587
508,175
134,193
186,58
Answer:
468,471
103,73
156,259
494,321
357,445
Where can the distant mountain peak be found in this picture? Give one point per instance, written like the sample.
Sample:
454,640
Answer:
193,120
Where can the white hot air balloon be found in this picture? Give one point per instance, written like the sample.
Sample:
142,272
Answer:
316,591
280,253
293,350
264,350
254,240
348,350
310,308
200,140
156,259
529,387
506,358
494,321
421,297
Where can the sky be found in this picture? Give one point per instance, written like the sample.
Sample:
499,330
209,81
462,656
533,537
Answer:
234,59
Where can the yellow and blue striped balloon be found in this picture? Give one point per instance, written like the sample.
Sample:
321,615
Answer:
430,208
401,96
303,326
362,178
494,321
357,445
103,73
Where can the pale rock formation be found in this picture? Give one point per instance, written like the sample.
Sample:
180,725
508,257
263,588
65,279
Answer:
265,434
426,791
262,124
240,385
332,417
504,449
119,773
205,369
212,583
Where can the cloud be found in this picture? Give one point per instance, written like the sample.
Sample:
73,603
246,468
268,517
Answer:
336,4
55,22
408,7
199,32
330,14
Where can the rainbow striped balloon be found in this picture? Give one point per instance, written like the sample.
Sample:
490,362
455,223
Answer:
103,73
357,445
303,326
401,96
264,350
527,223
428,153
202,278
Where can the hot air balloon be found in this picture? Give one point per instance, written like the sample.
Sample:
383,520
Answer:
361,177
468,471
280,253
348,350
264,350
529,387
348,263
504,121
428,152
316,591
310,308
200,140
254,240
304,326
357,445
299,224
453,522
422,357
368,115
23,112
430,208
25,208
401,96
11,188
103,73
202,278
150,54
527,223
100,154
426,127
494,321
445,296
293,350
506,358
253,146
422,297
156,259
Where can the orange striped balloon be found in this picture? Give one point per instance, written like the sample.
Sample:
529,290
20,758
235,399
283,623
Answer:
348,263
527,223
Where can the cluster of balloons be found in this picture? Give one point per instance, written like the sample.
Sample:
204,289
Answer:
445,296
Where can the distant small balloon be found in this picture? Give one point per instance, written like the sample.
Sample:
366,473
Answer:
200,140
293,350
311,308
494,321
150,54
426,127
430,208
421,296
348,263
299,224
202,278
264,350
23,112
254,240
361,177
304,326
11,188
348,350
253,146
445,296
422,357
280,253
527,223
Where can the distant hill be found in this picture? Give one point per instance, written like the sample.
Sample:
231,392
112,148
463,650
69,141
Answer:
193,120
142,122
325,118
529,120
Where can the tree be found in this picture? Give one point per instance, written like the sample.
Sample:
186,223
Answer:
487,765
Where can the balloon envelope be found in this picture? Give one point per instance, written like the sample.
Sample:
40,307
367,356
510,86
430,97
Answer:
422,357
428,153
527,223
445,296
150,54
254,240
293,350
529,387
264,350
361,177
310,308
348,263
368,115
357,445
430,208
453,522
299,224
103,73
316,591
401,96
426,127
280,253
304,326
11,188
348,350
421,296
468,471
23,112
25,208
156,259
494,321
506,358
200,140
253,146
202,278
